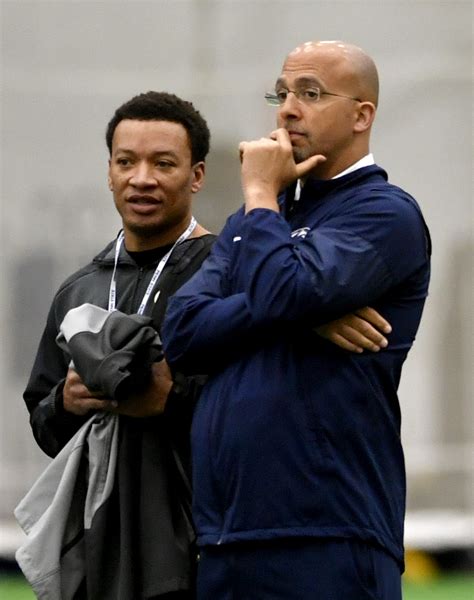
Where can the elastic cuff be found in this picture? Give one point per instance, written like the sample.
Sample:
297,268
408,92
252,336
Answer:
58,405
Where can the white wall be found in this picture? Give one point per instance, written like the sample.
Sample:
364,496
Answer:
66,66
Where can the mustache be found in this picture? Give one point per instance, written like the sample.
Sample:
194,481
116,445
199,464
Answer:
290,128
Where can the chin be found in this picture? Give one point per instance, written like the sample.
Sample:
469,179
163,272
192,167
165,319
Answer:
299,156
145,230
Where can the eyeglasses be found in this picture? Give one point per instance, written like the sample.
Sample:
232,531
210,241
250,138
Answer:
309,95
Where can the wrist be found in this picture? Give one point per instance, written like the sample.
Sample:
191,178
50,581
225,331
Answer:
261,198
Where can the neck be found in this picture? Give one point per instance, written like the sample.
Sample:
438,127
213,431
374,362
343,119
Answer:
139,241
332,168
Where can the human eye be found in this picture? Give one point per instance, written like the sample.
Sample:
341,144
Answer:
123,161
310,94
164,164
281,94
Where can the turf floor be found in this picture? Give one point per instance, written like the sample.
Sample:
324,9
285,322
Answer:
444,587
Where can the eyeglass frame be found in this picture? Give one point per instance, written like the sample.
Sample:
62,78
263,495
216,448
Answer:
272,99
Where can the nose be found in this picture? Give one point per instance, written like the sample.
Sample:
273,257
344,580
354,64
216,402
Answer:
142,176
291,108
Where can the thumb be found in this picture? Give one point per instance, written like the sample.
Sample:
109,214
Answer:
309,164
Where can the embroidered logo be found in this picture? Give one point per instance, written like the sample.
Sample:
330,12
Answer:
300,233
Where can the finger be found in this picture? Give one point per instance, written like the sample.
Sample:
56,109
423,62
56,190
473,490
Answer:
74,384
345,344
83,406
370,340
78,390
162,365
309,164
282,137
73,376
360,331
98,404
372,316
343,339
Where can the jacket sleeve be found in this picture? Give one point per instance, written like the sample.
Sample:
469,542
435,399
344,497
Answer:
352,259
269,280
52,426
204,321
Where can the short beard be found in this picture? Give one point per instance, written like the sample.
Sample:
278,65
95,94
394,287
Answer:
147,230
299,155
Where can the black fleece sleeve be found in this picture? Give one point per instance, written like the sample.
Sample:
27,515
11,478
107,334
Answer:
52,426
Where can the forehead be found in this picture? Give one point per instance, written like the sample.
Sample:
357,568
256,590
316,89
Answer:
323,64
151,136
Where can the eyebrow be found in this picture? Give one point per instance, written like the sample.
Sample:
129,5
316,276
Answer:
305,80
169,153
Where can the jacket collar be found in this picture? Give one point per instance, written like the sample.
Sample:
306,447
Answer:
318,189
106,257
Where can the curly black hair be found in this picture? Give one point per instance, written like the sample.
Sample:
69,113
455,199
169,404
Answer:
162,106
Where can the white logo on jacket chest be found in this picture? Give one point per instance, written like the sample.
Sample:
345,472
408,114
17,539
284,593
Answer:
300,233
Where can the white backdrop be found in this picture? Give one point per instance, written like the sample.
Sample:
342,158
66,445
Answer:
66,66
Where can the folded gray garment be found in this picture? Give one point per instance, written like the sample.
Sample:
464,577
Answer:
59,510
111,351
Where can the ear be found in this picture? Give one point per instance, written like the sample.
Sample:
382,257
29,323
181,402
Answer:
365,117
109,179
199,171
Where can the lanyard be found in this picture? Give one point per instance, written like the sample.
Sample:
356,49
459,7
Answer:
156,274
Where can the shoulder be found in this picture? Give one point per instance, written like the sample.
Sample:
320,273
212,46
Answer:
372,196
103,258
191,252
369,208
399,210
375,187
392,220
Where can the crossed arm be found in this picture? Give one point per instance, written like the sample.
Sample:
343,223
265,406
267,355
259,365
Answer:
356,332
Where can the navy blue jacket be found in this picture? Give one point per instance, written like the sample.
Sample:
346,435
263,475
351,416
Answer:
293,436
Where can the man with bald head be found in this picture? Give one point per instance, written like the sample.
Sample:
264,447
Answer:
298,470
330,130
